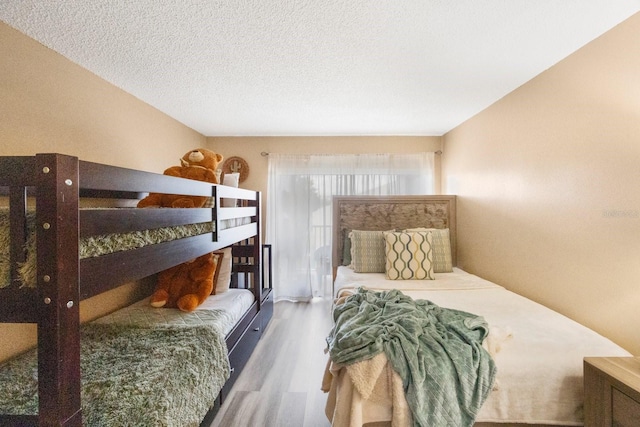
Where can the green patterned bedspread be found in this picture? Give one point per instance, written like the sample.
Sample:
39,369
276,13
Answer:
437,352
143,373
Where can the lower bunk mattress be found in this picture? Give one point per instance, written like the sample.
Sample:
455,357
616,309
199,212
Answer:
142,366
538,354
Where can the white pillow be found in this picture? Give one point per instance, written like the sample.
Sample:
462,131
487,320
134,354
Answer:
224,272
231,180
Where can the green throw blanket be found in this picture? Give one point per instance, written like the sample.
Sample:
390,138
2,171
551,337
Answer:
166,374
438,353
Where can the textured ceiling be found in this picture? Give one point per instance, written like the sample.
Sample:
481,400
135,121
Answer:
317,67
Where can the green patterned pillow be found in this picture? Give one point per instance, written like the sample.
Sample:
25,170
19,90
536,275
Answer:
409,255
367,251
441,247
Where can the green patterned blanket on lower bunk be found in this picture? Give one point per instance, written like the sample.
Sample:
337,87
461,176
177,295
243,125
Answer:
165,372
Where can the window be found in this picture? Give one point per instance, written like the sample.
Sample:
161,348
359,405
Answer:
299,213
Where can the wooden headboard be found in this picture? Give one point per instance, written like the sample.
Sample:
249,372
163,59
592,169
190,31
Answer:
390,212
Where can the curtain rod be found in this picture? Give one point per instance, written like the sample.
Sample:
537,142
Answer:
266,153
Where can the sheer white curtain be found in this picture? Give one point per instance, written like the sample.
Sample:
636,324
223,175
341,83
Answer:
299,193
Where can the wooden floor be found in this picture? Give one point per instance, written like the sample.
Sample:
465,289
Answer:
280,385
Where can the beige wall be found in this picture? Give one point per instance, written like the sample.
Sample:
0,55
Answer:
49,104
548,179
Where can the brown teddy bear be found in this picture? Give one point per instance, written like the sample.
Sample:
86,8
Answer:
187,285
199,164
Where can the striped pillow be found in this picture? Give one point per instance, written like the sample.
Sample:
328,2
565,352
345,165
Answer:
409,255
441,247
367,251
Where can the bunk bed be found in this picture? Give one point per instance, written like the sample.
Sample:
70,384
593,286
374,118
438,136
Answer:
538,352
56,206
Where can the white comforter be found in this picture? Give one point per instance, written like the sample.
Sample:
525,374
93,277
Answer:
539,353
232,304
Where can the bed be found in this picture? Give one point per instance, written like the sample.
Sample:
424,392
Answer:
57,210
538,353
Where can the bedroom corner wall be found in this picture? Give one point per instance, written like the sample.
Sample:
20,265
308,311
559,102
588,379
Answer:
547,180
50,104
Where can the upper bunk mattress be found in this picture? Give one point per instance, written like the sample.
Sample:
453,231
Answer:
538,352
98,245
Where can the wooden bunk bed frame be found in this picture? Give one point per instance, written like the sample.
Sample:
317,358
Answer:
58,183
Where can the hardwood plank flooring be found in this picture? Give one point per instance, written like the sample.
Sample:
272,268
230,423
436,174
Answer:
280,385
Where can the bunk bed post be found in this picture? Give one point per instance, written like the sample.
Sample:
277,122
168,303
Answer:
257,253
216,206
57,225
17,175
18,220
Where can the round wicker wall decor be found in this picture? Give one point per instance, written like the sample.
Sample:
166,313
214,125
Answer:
236,164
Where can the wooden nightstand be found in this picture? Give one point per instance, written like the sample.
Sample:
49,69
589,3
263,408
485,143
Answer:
612,391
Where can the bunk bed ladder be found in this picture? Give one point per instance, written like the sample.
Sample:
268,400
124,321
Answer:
248,258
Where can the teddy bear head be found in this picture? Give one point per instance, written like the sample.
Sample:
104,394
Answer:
201,157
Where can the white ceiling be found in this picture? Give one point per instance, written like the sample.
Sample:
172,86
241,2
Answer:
317,67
